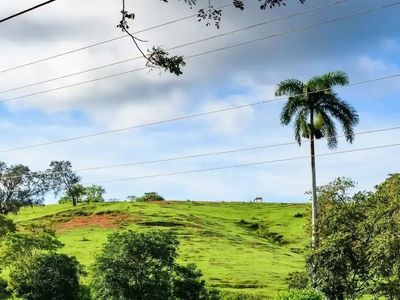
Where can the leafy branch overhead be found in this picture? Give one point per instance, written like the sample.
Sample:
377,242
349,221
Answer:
157,57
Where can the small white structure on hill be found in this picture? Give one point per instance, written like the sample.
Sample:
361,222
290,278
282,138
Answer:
258,200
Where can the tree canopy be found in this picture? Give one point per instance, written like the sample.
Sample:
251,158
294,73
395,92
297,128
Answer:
360,238
19,186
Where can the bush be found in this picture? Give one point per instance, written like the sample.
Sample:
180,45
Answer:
298,280
189,285
47,276
150,197
3,289
141,266
6,225
301,295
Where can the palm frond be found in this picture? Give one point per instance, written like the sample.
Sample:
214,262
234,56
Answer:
300,126
328,80
328,129
344,113
291,107
290,87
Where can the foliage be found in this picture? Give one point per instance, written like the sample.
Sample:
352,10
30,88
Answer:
83,194
6,226
189,285
298,280
63,178
307,294
20,247
150,197
142,266
47,276
158,57
19,186
4,294
135,266
359,241
314,105
94,193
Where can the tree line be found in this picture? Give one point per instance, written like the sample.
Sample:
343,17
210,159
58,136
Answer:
20,186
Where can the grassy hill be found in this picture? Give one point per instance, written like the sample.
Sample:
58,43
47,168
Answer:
240,247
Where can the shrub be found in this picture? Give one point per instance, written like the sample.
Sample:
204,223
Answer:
308,294
189,285
150,197
47,276
141,266
298,280
6,226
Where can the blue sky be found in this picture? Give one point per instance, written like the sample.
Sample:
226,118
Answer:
365,47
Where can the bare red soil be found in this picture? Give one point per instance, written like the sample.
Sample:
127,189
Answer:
104,221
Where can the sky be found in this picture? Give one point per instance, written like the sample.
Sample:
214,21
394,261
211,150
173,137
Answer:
366,46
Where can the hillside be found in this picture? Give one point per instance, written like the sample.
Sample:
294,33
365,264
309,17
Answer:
240,247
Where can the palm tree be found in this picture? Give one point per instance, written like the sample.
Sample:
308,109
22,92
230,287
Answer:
313,107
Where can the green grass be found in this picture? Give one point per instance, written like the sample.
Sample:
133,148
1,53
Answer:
221,238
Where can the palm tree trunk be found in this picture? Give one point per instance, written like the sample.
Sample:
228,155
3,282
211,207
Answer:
314,216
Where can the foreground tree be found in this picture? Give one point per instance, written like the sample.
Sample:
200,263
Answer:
47,276
358,253
313,107
64,179
19,187
141,266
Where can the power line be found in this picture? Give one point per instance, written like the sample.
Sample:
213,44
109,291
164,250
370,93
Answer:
186,117
247,165
176,47
102,42
207,52
222,152
25,11
218,153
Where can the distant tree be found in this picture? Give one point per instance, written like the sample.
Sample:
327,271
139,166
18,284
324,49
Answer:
131,198
47,276
64,179
141,266
19,187
94,193
313,106
150,197
158,57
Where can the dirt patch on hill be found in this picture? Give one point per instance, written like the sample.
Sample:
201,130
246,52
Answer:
103,221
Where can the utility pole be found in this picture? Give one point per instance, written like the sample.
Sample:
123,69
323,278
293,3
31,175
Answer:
27,10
